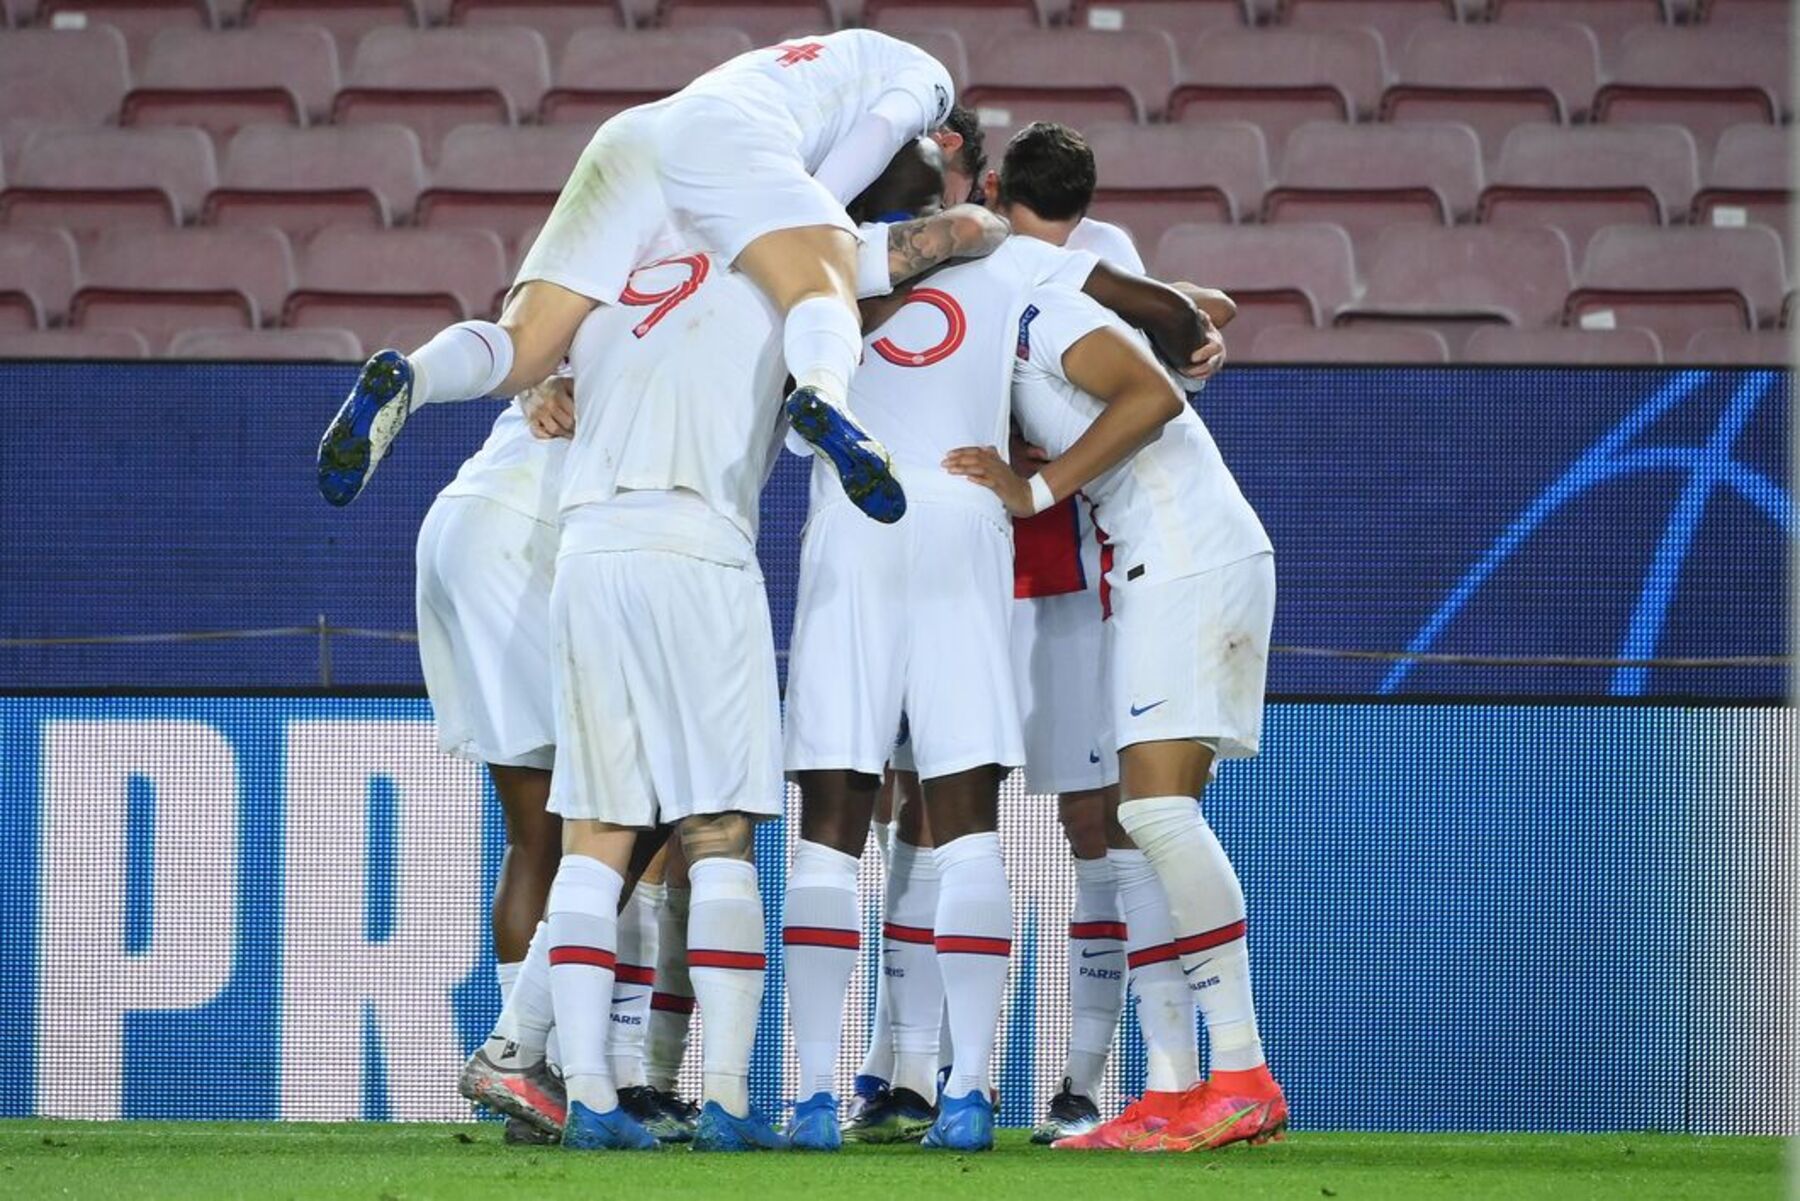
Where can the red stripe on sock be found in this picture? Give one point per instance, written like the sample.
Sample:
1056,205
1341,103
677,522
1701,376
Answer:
914,934
1150,956
969,944
669,1002
631,973
582,956
743,961
821,936
1196,943
1097,930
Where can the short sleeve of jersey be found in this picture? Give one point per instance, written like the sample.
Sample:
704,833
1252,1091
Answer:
872,275
1055,319
923,79
1112,244
1052,266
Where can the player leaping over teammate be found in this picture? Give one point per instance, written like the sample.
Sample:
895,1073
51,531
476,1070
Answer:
751,162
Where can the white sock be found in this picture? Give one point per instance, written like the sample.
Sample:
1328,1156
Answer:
820,937
882,835
467,361
1165,1006
504,975
672,1004
821,340
633,980
526,1014
581,916
878,1060
910,969
726,961
1096,973
974,941
1207,903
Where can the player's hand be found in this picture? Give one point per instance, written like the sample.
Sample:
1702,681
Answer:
983,465
1209,360
550,408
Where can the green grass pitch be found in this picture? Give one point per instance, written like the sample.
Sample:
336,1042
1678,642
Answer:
123,1161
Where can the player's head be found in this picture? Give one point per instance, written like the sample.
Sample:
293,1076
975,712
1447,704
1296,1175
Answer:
965,157
911,186
1047,174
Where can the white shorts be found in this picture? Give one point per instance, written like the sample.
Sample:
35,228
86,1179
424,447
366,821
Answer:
666,699
1191,657
1065,699
912,617
483,592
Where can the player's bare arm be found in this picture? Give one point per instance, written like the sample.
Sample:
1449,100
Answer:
1139,401
967,231
1179,329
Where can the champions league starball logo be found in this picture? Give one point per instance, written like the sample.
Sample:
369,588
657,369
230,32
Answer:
1713,473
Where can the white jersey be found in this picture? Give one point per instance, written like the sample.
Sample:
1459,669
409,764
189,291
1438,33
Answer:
514,468
1170,510
936,374
1107,241
827,83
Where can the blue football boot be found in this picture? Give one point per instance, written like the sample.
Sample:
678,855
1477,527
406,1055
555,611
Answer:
614,1130
359,436
963,1124
815,1125
862,463
719,1131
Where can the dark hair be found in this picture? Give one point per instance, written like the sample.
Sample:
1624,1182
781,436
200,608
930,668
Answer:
1049,169
971,160
912,180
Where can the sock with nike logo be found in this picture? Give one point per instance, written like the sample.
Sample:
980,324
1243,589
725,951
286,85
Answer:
1207,903
1096,973
1165,1005
633,980
725,961
974,941
672,1004
914,988
582,917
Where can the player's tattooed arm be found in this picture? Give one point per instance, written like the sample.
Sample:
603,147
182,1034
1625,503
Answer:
966,231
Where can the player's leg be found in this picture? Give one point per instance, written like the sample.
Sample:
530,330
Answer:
877,1070
672,1004
634,978
533,846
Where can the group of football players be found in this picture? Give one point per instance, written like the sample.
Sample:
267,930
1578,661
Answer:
1022,549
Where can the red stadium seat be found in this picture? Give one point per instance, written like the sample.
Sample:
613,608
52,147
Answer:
1583,179
1739,348
39,263
221,82
602,73
346,20
1499,344
1280,79
1392,344
1178,18
74,344
1394,20
465,264
977,22
160,313
305,180
504,180
1707,80
764,23
1153,177
370,315
1608,20
556,20
72,76
20,312
435,80
94,179
1368,177
251,345
1074,76
257,262
1773,16
1278,275
1677,281
1749,181
136,20
1495,78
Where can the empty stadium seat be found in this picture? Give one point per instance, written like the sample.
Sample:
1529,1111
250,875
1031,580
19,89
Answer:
434,80
160,282
1278,275
1705,79
1608,20
250,345
601,73
1300,344
1153,177
73,344
1499,344
74,76
1178,18
93,179
1739,348
1368,177
1280,79
304,180
1749,181
977,22
1074,76
1773,16
1454,279
221,82
368,282
764,23
556,20
1583,179
345,20
1394,20
39,263
19,311
1678,281
1494,78
505,180
945,45
136,20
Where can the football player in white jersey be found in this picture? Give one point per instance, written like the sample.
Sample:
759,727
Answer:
1193,594
915,619
752,163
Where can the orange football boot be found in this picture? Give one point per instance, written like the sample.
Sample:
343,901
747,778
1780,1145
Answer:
1142,1119
1231,1107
